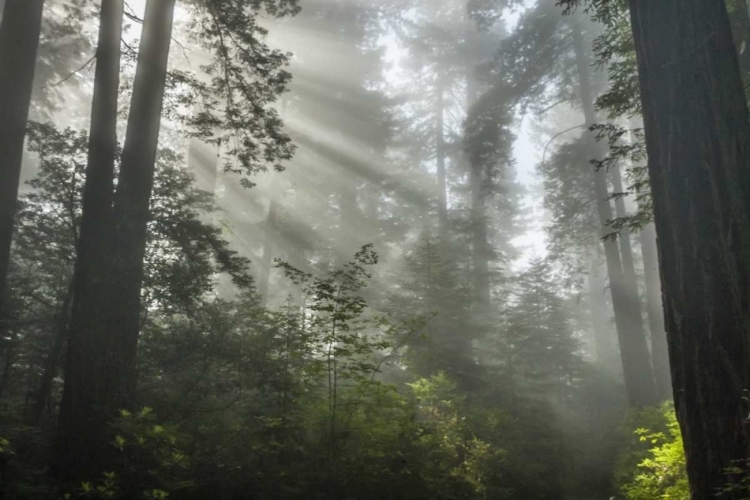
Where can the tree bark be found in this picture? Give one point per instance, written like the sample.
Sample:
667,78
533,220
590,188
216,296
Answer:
19,40
132,199
81,422
636,363
740,20
697,130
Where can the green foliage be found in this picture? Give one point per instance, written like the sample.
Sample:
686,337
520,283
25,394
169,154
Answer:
654,467
148,462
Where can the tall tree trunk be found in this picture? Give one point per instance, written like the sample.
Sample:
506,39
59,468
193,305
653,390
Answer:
636,365
697,130
133,196
440,158
630,278
659,353
480,243
81,422
19,40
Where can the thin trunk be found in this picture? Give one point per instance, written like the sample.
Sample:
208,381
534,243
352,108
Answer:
659,352
440,159
133,196
269,243
350,217
636,365
52,363
19,40
81,423
697,130
630,278
480,243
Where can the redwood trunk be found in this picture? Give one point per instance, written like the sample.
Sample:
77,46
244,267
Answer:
19,40
698,138
133,196
636,364
81,421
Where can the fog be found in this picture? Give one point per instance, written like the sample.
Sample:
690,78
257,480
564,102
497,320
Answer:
378,251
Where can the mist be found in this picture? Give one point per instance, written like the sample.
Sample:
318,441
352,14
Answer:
372,249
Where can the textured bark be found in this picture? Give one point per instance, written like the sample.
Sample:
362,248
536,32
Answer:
82,420
697,130
132,199
659,353
19,40
636,364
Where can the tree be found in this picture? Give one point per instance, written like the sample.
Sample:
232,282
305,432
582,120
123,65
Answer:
19,39
698,138
88,342
543,351
636,361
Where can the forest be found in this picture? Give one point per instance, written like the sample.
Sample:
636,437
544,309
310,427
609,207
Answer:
374,249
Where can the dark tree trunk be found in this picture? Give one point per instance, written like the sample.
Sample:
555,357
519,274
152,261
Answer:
133,196
8,359
636,363
19,40
81,421
698,139
740,20
659,353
